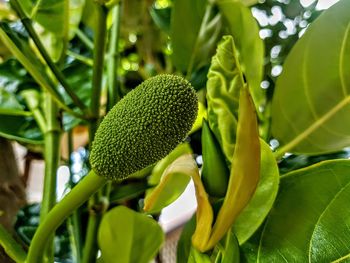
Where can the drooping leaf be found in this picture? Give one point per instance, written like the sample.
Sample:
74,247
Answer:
310,218
254,214
173,182
311,103
245,31
245,170
194,31
225,80
204,215
127,236
160,167
215,173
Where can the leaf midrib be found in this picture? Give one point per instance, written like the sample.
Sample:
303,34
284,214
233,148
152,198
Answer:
319,122
341,60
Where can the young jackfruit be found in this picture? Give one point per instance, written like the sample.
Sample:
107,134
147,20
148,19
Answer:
144,126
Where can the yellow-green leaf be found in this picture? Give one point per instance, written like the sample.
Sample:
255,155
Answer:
173,182
245,170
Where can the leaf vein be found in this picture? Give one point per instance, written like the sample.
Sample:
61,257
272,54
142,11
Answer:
341,61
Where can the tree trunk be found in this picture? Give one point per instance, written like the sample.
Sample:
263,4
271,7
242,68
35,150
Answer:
12,191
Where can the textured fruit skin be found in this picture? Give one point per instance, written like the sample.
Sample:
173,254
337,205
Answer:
143,127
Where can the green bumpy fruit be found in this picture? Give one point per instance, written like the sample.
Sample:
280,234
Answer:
143,127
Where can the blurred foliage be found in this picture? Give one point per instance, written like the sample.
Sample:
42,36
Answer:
281,23
28,221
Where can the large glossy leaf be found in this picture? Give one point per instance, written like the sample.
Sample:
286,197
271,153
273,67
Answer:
310,218
174,181
311,104
66,15
225,80
254,214
53,43
245,31
194,31
50,14
126,236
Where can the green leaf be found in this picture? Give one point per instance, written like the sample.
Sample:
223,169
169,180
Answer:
245,170
184,245
66,15
126,236
161,17
53,43
229,249
215,174
6,12
197,257
173,182
48,13
250,2
16,123
194,31
225,80
310,218
245,31
19,128
311,103
78,75
254,214
129,191
76,8
8,101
